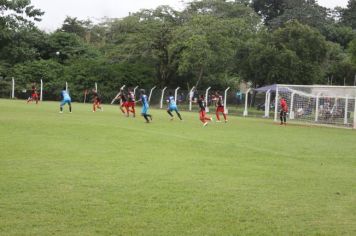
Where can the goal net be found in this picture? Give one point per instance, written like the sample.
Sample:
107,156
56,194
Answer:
317,104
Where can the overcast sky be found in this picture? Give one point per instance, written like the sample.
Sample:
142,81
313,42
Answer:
57,10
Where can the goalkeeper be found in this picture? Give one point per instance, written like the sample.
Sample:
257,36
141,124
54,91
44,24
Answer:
283,112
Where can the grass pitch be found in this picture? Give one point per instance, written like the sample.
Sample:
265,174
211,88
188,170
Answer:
101,173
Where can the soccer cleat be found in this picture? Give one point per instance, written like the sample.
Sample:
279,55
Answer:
205,124
211,119
225,121
218,121
61,112
172,118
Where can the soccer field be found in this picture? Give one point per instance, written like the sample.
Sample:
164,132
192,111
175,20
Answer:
102,173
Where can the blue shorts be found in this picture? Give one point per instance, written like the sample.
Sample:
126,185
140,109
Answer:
65,101
173,108
144,110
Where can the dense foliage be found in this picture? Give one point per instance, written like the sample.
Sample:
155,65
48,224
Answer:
210,42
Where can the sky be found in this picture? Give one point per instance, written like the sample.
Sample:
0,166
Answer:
57,10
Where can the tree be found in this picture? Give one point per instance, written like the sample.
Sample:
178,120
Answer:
78,27
338,33
210,37
16,29
307,12
15,14
27,43
145,37
348,15
268,9
69,46
292,54
207,45
352,50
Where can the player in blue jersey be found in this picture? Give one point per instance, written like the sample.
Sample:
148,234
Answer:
65,100
145,106
172,106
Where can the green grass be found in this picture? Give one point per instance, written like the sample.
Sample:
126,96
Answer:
101,173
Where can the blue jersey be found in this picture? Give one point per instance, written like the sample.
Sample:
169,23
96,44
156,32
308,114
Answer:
144,100
65,95
172,101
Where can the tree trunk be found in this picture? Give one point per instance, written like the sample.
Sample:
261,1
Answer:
200,76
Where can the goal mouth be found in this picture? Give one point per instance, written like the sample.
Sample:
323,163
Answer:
331,106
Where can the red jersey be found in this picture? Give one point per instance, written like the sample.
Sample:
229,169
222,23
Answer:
284,105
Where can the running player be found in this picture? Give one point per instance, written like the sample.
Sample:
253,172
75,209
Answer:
131,103
65,100
219,107
123,101
96,101
284,110
145,106
172,106
202,113
34,94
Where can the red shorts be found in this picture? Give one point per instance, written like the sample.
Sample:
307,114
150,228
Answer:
130,104
97,103
220,109
34,96
124,104
202,114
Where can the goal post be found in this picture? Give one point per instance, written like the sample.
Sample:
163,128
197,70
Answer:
149,97
13,88
276,105
267,103
176,94
191,96
246,102
41,91
206,99
162,97
226,110
318,104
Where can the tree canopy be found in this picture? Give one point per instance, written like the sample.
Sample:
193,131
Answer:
209,42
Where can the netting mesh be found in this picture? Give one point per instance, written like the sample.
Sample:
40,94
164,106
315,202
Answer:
319,104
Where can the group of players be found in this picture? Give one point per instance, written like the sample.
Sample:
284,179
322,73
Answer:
127,105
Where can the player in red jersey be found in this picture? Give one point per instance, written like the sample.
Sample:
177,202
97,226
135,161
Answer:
96,101
131,103
202,112
123,101
283,112
219,107
34,94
